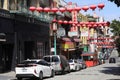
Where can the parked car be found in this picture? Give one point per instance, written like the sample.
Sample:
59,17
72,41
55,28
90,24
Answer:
37,68
112,60
82,62
74,65
59,63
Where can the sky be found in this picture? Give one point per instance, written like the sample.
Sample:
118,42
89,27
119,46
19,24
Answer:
109,12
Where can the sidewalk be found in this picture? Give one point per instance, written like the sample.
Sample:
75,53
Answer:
8,76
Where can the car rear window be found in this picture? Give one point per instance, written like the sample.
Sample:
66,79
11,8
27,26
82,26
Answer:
28,62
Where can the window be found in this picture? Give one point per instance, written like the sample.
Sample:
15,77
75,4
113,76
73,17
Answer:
47,59
55,59
42,62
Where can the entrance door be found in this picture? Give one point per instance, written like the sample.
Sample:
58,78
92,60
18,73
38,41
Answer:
6,52
30,51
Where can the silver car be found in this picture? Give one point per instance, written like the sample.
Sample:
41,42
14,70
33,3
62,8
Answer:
59,62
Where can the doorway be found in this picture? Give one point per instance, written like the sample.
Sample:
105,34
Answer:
6,54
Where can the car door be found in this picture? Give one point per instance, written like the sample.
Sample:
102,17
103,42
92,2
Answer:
46,68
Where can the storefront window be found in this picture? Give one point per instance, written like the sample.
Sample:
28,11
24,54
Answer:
40,49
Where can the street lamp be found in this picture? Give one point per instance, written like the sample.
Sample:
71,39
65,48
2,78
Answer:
54,28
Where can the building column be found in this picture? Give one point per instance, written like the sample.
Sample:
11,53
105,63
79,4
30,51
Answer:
15,52
5,4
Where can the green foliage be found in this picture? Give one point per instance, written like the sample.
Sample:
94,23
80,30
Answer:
115,25
117,2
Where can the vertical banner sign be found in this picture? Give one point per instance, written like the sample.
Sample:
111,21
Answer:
74,20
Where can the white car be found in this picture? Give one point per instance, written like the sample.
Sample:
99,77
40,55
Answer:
74,65
37,68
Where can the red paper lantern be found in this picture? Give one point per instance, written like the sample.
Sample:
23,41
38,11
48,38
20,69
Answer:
89,25
62,9
65,22
101,5
85,8
39,9
69,9
86,23
70,22
47,9
99,23
93,7
81,23
54,10
60,21
32,8
108,23
75,23
54,20
94,25
77,9
78,25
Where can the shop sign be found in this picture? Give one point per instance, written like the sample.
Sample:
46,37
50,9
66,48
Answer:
72,33
60,32
68,45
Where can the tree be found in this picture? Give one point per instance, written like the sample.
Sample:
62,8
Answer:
115,25
117,2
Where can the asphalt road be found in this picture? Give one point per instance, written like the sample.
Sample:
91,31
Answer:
107,71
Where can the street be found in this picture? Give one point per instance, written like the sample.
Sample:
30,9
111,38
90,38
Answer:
102,72
107,71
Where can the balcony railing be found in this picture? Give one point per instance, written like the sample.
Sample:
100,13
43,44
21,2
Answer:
39,16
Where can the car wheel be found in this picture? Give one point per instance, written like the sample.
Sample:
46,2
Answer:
63,71
41,76
75,68
52,73
69,70
19,78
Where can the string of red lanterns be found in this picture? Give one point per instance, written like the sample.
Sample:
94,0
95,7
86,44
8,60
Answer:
101,38
63,9
102,43
88,24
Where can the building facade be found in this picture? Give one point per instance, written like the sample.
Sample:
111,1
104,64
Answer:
23,34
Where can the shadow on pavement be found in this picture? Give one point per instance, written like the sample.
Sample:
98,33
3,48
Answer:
112,70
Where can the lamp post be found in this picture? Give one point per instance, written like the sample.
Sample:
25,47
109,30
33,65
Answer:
54,28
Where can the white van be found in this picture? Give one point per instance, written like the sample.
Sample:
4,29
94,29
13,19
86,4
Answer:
59,62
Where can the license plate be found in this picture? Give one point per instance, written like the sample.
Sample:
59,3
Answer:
24,70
